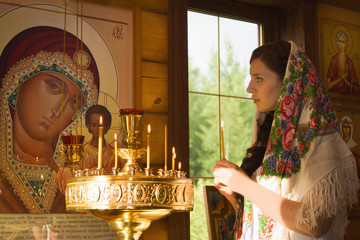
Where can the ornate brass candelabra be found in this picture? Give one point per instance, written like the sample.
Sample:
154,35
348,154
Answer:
130,198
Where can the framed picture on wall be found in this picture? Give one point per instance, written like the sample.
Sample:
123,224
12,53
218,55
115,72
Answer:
57,60
349,123
220,215
340,52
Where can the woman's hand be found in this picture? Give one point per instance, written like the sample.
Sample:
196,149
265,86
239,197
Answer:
229,175
226,174
224,190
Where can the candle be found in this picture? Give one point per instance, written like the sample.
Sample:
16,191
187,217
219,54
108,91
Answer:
116,156
165,147
222,139
101,128
173,158
148,147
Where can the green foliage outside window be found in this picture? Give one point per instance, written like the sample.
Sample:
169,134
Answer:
236,111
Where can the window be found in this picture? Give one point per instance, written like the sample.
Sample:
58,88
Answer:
219,49
268,19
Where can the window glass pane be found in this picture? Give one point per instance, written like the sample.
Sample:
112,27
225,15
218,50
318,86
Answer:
198,224
207,102
204,133
237,41
238,116
202,49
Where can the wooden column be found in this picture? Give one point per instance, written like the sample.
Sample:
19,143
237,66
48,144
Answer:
179,223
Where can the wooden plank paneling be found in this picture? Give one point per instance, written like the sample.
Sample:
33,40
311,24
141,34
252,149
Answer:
154,94
157,138
154,69
154,5
154,37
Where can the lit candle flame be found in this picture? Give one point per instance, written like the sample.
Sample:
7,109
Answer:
149,129
179,166
222,124
101,120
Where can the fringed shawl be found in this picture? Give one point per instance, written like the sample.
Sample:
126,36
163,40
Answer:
306,159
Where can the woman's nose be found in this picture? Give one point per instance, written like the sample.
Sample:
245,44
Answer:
250,88
56,110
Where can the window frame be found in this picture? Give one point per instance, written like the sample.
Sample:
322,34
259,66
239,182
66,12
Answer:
178,115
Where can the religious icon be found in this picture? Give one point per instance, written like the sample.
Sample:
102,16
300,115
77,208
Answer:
220,215
347,131
341,74
45,93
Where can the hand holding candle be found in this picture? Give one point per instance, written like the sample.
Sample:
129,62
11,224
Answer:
101,130
148,147
222,140
173,158
116,156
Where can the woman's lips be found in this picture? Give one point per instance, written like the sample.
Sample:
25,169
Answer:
46,122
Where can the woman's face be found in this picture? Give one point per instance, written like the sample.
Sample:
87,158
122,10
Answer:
265,86
39,104
341,43
346,128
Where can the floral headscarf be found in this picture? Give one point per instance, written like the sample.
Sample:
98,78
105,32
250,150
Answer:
302,95
306,160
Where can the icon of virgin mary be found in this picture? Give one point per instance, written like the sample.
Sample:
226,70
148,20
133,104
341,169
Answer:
49,78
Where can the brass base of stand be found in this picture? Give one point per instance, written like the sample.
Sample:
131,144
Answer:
130,224
129,203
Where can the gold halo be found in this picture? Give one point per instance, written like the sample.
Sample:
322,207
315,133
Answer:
344,29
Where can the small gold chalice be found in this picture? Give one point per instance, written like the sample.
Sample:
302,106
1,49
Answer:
73,149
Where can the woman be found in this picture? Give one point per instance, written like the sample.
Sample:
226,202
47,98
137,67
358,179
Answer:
298,176
40,103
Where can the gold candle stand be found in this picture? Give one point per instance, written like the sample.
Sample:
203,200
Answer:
130,199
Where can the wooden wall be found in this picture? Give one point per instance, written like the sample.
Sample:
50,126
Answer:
154,90
154,93
151,82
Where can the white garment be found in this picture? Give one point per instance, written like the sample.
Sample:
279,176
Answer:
331,191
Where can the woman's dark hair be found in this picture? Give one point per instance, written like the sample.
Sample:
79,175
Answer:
254,155
274,55
98,109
